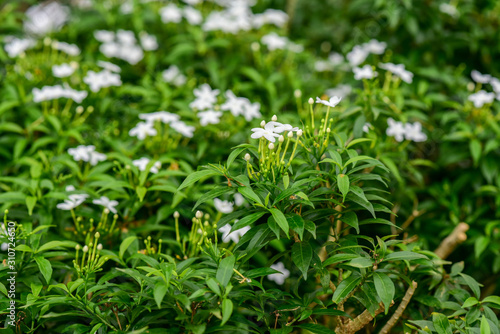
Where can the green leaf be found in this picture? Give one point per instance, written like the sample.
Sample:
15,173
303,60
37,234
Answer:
30,203
315,329
160,290
164,187
297,224
441,323
485,326
141,192
215,192
471,301
196,176
125,245
404,255
343,183
302,256
45,267
250,194
357,196
361,262
356,159
351,219
286,181
359,140
475,150
385,289
214,286
472,283
227,310
225,270
233,156
492,299
56,244
247,220
339,258
345,288
480,245
279,217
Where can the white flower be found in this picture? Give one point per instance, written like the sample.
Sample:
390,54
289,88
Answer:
236,105
395,129
148,42
16,46
161,116
414,132
274,16
334,100
357,55
87,154
47,93
4,246
398,70
73,201
279,278
45,18
495,84
174,76
209,117
142,130
183,129
126,37
206,97
104,36
366,127
63,70
266,132
323,66
109,66
274,42
336,58
448,9
103,79
480,78
252,110
235,236
193,16
375,47
105,202
171,13
142,163
340,91
481,98
223,206
70,49
239,199
365,72
192,2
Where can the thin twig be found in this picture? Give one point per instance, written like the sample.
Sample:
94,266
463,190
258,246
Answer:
456,237
399,311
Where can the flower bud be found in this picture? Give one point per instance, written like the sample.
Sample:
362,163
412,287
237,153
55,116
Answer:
78,247
297,93
262,124
255,46
311,101
328,130
85,249
281,139
290,134
299,133
97,235
274,118
247,157
79,109
199,214
99,247
106,211
271,146
176,214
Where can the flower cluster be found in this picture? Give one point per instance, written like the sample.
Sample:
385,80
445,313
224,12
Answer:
45,18
145,129
334,59
75,200
70,49
241,106
174,76
47,93
407,131
275,42
365,72
103,79
87,154
64,70
173,14
122,45
482,97
359,53
16,46
143,162
398,70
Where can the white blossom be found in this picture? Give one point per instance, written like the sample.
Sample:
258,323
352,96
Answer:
174,76
142,130
274,42
171,13
239,199
103,79
234,236
266,132
223,206
236,105
16,46
192,15
104,36
73,201
365,72
398,70
109,66
70,49
107,203
481,98
396,129
480,78
192,2
142,163
252,110
183,128
206,97
87,154
209,117
357,55
148,42
334,100
47,93
366,127
161,116
340,91
448,9
279,278
375,47
414,132
45,18
63,70
126,37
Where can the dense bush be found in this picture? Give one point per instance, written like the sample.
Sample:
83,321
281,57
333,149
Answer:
164,169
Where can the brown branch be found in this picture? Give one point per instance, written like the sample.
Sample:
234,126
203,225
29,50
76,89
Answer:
399,311
456,237
352,326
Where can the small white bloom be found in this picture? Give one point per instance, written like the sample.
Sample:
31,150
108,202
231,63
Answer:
193,16
279,278
103,79
174,76
375,47
142,130
70,49
107,203
63,70
209,117
357,55
192,2
236,105
340,91
183,128
495,84
365,72
396,129
366,127
104,36
206,97
223,206
481,98
238,198
398,70
251,111
4,246
234,236
148,42
109,66
47,93
126,37
45,18
336,58
16,46
334,100
274,42
266,132
142,163
448,9
414,132
171,13
480,78
161,116
73,201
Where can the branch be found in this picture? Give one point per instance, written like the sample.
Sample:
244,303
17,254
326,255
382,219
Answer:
399,311
456,237
352,326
